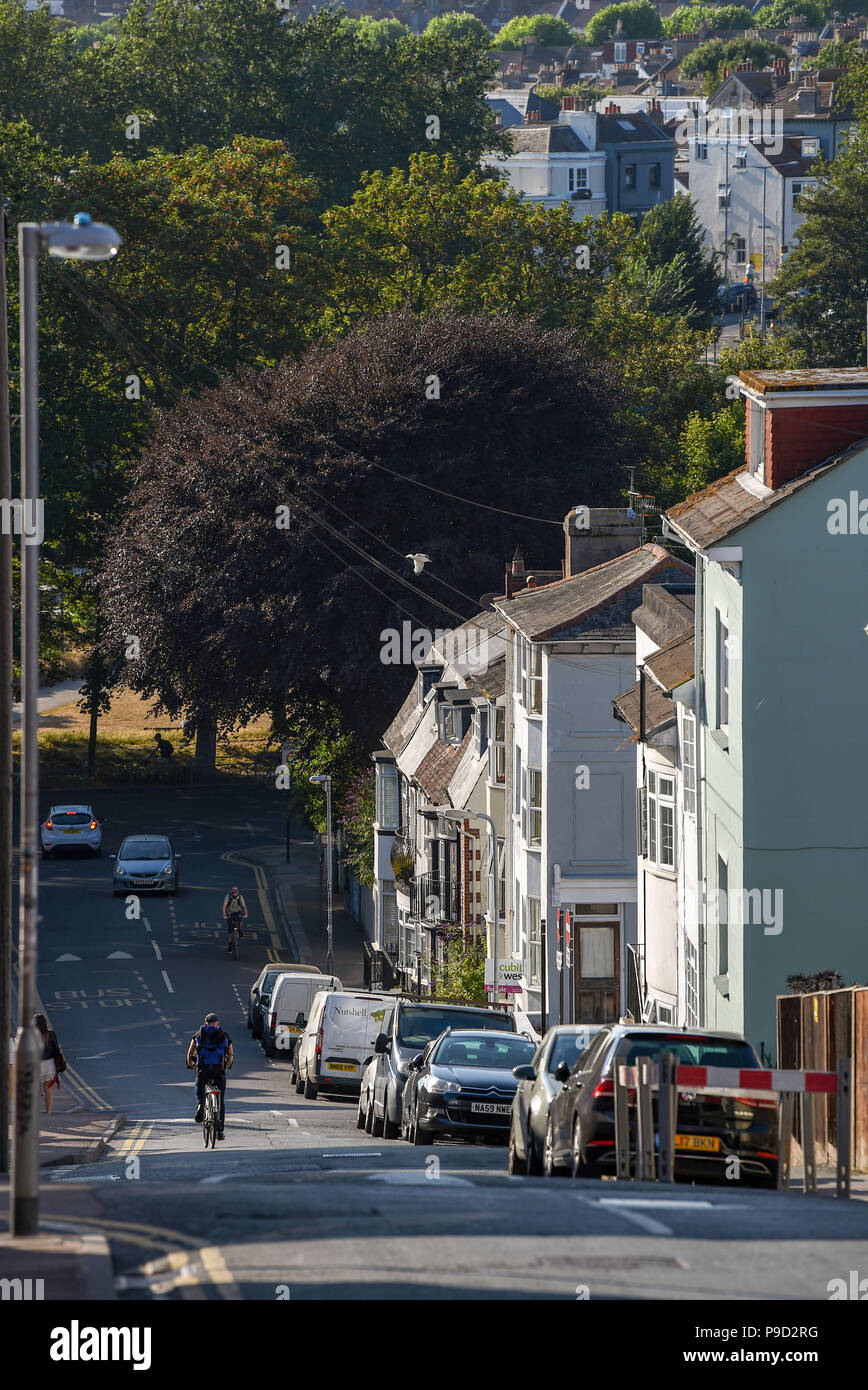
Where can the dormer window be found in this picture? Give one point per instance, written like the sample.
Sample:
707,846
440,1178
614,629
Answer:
620,53
810,148
427,678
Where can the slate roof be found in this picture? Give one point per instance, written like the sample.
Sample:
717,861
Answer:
673,665
490,683
597,603
666,614
541,138
438,767
659,709
398,734
725,507
610,130
789,161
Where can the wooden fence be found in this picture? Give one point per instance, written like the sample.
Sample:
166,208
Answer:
814,1031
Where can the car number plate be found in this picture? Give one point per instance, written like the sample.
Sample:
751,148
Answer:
71,832
703,1143
342,1066
487,1107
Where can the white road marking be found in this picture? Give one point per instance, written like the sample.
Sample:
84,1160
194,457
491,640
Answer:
146,924
673,1204
157,952
168,983
419,1179
218,1177
647,1223
375,1153
67,957
119,955
95,1056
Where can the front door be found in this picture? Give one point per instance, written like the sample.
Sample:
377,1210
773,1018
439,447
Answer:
597,971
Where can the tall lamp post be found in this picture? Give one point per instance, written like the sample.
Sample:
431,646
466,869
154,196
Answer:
451,814
322,779
79,240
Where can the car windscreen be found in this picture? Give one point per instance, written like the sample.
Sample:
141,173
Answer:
568,1047
688,1050
70,818
416,1027
486,1051
145,849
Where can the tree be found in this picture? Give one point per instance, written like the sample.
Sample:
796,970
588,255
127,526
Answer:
689,19
835,55
583,92
670,229
548,31
780,13
460,973
255,508
457,23
823,284
639,20
709,58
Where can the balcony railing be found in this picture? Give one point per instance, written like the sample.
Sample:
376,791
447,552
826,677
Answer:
434,899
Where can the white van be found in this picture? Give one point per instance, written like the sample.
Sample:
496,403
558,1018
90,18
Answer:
289,1010
338,1041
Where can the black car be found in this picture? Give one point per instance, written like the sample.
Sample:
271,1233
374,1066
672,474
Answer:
462,1086
710,1130
405,1032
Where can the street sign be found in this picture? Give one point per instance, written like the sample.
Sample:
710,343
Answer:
559,959
286,750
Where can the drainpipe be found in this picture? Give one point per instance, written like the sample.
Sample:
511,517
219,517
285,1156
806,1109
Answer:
698,702
644,875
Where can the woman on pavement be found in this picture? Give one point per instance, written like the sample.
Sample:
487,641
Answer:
53,1062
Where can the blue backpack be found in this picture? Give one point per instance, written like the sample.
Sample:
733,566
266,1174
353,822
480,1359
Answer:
211,1045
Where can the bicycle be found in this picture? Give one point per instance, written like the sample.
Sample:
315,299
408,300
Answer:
211,1118
235,919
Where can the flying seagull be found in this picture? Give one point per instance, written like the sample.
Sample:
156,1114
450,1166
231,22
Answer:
419,561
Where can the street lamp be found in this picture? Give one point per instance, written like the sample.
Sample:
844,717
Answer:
451,814
322,779
79,240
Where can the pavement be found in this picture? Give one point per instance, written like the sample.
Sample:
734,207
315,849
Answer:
50,697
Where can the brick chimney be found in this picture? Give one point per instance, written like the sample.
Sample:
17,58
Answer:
797,419
596,534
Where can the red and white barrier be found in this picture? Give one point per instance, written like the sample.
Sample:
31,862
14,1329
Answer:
743,1082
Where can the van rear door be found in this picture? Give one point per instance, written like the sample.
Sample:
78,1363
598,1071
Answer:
352,1023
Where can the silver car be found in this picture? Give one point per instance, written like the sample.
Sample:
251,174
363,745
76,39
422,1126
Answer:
145,863
539,1083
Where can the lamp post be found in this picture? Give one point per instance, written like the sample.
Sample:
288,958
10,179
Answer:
451,814
322,779
79,240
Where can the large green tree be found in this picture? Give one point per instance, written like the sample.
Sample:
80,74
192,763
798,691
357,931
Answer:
708,60
546,29
639,19
670,229
689,19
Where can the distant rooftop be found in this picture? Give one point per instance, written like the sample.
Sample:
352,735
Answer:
811,379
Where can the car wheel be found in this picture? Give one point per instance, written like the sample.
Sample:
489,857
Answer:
361,1116
376,1122
369,1118
515,1166
299,1084
550,1168
419,1136
390,1129
578,1167
249,1020
309,1090
534,1163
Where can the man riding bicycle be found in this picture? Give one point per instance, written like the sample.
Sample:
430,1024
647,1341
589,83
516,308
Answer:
210,1052
234,912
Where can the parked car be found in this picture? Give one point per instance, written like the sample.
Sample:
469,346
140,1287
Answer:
406,1029
145,863
538,1084
365,1113
337,1041
289,1008
463,1086
71,828
260,990
710,1130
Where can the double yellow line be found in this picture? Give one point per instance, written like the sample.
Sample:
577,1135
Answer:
135,1142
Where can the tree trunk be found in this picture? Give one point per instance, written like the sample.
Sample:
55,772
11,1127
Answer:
91,741
206,744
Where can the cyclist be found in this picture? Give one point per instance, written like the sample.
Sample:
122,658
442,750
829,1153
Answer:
210,1052
235,912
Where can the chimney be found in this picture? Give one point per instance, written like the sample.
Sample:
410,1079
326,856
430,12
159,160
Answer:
724,74
806,101
531,582
514,574
797,419
569,104
596,534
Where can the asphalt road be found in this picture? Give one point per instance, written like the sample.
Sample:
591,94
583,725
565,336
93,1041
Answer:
297,1202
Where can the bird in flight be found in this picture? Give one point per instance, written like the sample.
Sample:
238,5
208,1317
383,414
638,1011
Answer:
419,561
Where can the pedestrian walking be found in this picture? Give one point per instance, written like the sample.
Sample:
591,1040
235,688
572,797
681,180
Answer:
53,1060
